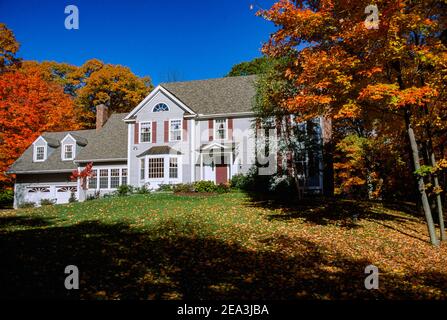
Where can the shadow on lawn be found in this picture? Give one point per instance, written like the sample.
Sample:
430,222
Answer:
165,263
322,211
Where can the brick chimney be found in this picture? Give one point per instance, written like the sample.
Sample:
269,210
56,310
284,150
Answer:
102,114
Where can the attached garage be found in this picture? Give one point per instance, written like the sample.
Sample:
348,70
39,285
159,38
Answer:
34,187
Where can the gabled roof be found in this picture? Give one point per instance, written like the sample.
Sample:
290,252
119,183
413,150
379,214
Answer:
54,162
159,150
216,96
109,143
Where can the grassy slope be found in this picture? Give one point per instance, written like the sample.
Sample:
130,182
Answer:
226,246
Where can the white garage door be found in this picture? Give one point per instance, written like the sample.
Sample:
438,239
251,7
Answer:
35,194
59,194
63,193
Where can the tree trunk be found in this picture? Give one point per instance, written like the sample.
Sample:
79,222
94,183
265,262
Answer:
420,179
438,199
328,158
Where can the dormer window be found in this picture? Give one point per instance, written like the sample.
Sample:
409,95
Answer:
160,108
68,152
39,153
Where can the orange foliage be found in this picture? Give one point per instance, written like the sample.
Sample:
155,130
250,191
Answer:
29,106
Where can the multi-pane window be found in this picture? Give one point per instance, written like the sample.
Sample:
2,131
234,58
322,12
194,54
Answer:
161,107
92,181
175,130
40,153
68,152
142,165
103,179
156,168
114,178
123,176
221,129
145,132
173,168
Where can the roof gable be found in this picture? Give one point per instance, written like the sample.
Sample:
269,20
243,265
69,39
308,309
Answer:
158,89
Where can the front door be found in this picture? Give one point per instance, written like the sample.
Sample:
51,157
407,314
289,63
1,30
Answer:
221,173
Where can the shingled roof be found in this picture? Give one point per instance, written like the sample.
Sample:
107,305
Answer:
53,162
216,96
108,143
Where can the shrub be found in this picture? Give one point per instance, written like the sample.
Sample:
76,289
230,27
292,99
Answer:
124,190
238,181
165,187
142,190
253,182
6,198
183,187
204,186
223,188
72,198
27,204
47,202
94,196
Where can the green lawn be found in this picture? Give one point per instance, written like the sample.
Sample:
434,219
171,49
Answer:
164,246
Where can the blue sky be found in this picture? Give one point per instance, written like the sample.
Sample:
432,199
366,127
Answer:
195,39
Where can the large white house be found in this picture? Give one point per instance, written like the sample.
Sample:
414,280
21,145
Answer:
181,132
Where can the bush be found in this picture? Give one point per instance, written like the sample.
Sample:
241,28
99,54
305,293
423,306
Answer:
124,190
47,202
238,181
204,186
165,187
94,196
27,204
182,187
6,198
142,190
72,198
223,188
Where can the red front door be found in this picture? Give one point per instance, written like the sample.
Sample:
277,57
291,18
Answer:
221,173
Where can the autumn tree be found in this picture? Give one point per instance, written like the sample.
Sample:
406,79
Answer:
348,67
94,83
113,85
29,106
8,48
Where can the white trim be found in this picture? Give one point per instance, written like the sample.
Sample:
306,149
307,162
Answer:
101,160
129,143
192,147
66,136
181,130
202,116
215,145
150,96
44,153
45,150
150,132
73,150
215,129
40,171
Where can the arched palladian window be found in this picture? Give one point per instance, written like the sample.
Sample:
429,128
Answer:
160,108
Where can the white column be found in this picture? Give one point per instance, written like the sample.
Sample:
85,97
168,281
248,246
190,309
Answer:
192,145
230,166
201,166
